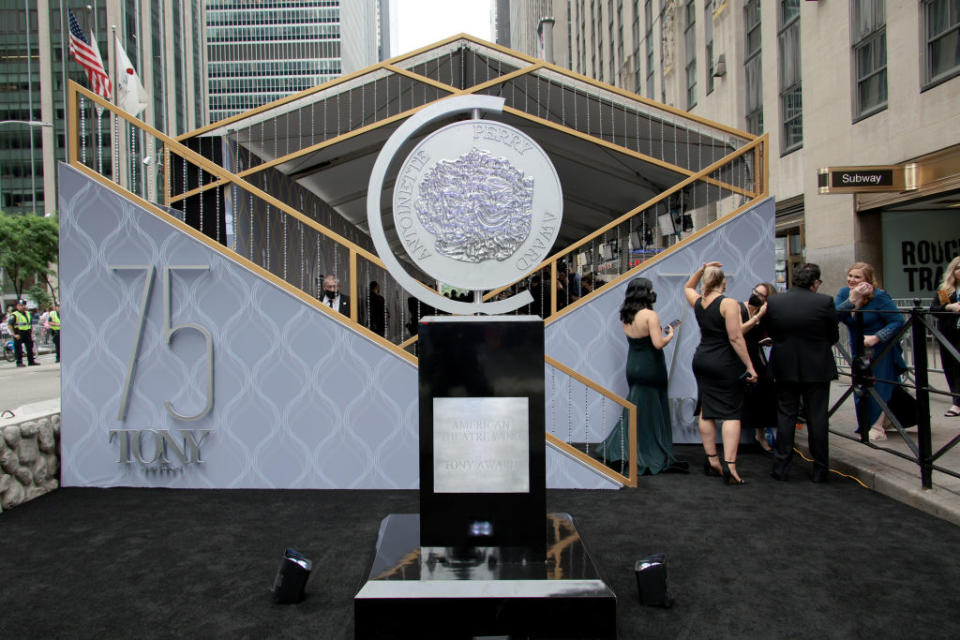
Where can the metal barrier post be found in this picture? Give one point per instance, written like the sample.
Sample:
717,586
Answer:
919,333
860,373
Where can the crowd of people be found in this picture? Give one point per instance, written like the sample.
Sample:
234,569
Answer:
21,326
762,362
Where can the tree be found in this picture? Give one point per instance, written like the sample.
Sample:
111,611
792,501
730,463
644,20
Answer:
29,244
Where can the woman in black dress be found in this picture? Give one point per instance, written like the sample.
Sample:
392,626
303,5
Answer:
760,401
946,307
721,365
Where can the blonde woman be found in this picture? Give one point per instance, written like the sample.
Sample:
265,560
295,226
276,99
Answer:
947,307
721,366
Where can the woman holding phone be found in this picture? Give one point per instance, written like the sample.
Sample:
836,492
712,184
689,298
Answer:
721,365
647,377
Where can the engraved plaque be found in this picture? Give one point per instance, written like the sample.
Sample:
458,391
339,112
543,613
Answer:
481,445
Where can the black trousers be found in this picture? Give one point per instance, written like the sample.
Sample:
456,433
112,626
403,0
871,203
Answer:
951,371
56,342
816,401
25,343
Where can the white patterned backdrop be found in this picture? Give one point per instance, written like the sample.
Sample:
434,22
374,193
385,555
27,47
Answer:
300,399
590,339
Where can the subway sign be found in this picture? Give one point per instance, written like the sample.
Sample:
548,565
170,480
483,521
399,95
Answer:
867,179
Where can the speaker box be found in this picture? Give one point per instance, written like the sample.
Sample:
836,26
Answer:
291,578
652,581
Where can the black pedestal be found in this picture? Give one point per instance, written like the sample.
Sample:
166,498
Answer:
439,592
482,446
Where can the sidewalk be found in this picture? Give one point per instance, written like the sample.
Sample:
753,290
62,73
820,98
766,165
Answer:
890,474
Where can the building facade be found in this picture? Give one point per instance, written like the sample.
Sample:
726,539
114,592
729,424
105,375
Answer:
162,40
262,51
834,84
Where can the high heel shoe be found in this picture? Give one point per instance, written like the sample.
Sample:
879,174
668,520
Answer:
709,469
728,477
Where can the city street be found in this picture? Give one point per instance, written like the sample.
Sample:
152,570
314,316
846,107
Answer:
28,385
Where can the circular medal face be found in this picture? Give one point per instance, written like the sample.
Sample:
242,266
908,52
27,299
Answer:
477,204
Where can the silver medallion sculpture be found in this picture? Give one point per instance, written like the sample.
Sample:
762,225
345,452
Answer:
476,205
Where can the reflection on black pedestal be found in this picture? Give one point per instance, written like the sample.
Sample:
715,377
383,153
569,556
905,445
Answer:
447,592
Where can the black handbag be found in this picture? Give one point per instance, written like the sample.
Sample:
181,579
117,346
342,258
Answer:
904,407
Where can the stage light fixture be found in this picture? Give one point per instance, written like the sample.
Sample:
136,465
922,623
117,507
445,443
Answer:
651,575
291,578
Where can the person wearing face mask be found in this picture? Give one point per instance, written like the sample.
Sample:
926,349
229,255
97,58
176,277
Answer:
760,400
332,296
863,295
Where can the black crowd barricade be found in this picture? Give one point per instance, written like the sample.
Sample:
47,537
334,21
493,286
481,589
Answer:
903,410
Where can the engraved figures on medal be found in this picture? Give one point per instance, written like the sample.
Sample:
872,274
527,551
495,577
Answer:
477,204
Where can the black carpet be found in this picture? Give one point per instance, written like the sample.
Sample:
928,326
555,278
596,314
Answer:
764,560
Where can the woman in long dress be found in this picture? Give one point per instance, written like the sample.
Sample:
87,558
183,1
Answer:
863,295
721,366
647,377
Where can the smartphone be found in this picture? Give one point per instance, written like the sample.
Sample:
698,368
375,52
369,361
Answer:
673,324
744,375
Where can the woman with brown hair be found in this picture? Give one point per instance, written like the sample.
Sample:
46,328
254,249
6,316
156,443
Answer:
863,295
947,307
721,365
760,401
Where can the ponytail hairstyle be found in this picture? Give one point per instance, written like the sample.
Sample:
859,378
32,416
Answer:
639,295
713,279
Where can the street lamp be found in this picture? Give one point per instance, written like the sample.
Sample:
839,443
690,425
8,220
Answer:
27,123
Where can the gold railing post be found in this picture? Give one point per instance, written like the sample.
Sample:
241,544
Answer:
353,285
72,128
553,289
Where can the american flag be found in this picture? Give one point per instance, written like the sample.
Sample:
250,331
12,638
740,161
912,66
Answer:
85,52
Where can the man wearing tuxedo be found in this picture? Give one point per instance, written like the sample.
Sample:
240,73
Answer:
803,326
332,296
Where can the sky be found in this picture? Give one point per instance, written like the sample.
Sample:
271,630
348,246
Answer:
422,22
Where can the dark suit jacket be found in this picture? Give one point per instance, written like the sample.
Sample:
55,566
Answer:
803,327
343,307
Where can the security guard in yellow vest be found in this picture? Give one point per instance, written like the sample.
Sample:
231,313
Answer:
54,322
22,332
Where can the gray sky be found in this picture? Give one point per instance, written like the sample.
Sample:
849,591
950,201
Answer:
422,22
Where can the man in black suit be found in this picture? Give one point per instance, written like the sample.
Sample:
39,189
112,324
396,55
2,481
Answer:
803,326
332,296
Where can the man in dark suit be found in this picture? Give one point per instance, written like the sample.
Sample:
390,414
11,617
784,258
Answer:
332,296
803,326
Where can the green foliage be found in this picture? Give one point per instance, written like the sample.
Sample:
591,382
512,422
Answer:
29,244
39,294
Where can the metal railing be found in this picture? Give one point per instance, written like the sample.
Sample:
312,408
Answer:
860,368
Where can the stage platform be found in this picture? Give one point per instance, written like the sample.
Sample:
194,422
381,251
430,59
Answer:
765,560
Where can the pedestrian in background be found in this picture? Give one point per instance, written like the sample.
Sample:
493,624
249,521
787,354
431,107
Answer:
881,324
54,321
947,307
22,330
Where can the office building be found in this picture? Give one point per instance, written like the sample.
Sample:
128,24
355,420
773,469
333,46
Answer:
859,83
262,51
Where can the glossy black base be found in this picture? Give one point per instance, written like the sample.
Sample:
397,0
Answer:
440,592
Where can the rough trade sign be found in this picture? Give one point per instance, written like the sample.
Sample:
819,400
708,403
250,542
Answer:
867,179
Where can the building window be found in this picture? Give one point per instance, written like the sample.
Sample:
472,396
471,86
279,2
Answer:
690,51
791,95
637,67
869,36
941,19
708,37
753,67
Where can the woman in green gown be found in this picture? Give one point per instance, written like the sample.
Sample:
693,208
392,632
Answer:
647,377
